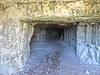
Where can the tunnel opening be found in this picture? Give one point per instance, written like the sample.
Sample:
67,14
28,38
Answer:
51,46
56,47
55,32
47,32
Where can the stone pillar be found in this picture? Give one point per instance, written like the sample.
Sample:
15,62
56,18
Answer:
98,34
42,34
80,39
88,29
65,34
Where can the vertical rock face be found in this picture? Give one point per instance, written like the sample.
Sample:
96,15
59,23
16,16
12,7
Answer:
88,44
15,48
70,36
15,35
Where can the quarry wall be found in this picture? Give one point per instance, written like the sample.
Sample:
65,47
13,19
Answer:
88,42
16,26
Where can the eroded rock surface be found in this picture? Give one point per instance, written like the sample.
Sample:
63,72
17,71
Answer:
17,19
55,58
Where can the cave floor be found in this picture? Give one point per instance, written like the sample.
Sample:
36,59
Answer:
54,57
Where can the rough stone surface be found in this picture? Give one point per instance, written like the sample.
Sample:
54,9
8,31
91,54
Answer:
55,57
15,35
88,44
15,47
70,36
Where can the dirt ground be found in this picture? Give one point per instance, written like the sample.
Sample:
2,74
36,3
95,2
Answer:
54,57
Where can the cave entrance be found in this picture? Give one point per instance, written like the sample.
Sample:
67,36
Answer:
45,32
54,32
51,45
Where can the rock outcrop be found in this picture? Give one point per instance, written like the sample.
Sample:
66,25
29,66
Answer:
17,20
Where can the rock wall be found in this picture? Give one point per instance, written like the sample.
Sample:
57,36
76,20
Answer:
14,46
39,33
88,42
51,9
70,36
15,34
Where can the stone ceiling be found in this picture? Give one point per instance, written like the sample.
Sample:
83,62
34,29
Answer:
3,1
64,10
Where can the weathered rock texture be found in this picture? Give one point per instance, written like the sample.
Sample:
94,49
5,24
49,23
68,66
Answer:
70,36
17,18
88,42
15,47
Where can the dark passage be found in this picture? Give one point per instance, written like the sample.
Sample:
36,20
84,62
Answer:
46,46
53,32
53,53
47,32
